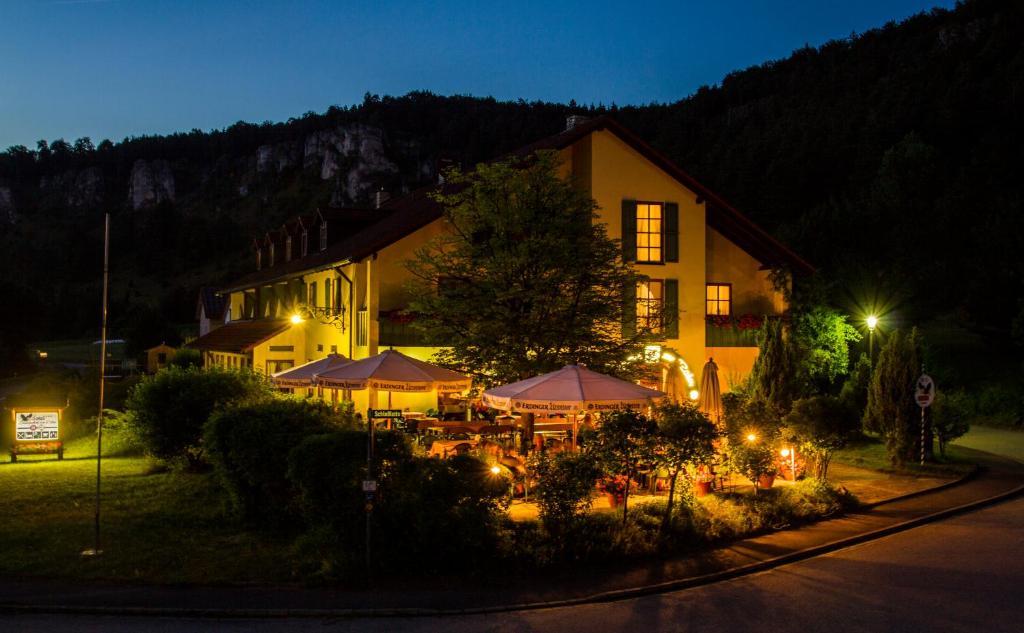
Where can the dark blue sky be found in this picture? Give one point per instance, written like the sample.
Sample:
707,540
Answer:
113,68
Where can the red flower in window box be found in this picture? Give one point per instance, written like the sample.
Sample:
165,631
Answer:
719,320
750,322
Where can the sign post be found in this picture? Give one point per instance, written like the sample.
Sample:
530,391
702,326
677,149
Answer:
370,483
924,395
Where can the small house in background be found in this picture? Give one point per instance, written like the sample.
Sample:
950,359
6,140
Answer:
210,310
159,357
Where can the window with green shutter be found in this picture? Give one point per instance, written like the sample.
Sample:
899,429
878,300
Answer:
671,308
629,230
671,232
629,311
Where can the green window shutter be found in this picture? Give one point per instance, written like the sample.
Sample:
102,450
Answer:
629,311
629,230
671,232
671,308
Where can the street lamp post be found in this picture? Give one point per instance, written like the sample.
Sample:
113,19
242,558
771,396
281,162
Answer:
872,321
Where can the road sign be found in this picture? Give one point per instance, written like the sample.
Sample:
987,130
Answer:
369,485
385,414
924,392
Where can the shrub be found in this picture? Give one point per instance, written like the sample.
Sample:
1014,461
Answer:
248,446
686,436
431,514
891,409
821,425
623,444
438,515
172,406
752,459
950,417
564,486
187,358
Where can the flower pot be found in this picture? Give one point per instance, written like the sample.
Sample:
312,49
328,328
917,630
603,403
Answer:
765,482
703,488
613,499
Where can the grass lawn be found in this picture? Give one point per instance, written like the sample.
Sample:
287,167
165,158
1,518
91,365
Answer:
998,441
78,351
870,453
158,526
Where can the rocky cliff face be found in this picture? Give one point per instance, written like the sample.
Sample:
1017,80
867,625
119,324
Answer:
353,154
151,183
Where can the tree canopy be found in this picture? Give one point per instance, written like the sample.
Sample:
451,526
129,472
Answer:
524,281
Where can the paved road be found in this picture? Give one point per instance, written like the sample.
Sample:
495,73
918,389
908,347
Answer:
962,574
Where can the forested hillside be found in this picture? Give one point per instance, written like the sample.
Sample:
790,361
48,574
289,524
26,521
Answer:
891,160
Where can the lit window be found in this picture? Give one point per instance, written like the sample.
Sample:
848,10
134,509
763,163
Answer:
719,299
650,299
649,232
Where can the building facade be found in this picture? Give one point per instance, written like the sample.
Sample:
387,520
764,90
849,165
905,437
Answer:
342,273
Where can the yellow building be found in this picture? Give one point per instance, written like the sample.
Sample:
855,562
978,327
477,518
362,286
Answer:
344,270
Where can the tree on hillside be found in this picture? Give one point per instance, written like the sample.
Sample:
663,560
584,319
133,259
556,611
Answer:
891,409
524,281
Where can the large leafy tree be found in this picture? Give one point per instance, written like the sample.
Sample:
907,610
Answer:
524,280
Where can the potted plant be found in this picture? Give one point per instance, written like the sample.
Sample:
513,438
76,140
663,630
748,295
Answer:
756,460
703,481
615,489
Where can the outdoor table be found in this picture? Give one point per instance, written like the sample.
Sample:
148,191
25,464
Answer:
444,448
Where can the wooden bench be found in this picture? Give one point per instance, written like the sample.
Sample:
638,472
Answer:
36,448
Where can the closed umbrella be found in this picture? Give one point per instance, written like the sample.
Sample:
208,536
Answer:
303,375
569,390
710,400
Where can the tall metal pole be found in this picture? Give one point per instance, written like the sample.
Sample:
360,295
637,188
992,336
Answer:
96,550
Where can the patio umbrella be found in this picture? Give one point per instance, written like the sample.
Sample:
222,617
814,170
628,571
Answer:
393,371
302,375
710,400
569,390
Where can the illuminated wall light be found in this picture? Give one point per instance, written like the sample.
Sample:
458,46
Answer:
296,319
694,394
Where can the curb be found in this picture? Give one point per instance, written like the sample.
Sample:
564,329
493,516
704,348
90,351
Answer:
603,597
969,475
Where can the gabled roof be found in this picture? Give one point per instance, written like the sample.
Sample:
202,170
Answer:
415,210
721,215
238,337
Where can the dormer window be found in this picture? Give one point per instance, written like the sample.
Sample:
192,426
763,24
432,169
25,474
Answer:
323,236
305,242
288,248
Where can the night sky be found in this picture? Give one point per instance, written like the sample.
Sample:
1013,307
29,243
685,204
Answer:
114,68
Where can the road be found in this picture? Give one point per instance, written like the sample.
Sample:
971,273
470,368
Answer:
961,574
